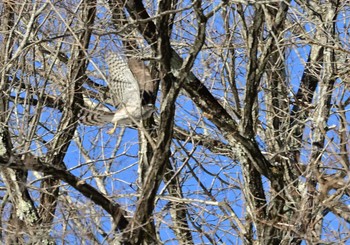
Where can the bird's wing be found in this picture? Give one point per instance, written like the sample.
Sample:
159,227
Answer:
122,82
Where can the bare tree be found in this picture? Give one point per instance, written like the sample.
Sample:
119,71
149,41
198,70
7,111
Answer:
249,143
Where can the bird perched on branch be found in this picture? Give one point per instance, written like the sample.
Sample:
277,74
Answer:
126,93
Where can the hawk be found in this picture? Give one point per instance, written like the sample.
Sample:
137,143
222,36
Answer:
126,93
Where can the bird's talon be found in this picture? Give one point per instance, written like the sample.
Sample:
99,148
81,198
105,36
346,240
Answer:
112,130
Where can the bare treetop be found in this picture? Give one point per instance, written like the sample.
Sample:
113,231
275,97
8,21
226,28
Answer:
248,143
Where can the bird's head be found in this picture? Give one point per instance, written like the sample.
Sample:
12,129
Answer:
148,110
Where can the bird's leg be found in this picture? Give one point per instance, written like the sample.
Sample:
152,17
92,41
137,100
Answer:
112,130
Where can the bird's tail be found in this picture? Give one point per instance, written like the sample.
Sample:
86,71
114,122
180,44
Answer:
95,117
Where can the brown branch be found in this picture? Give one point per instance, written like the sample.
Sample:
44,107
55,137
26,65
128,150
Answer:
344,151
340,209
200,95
66,128
34,164
24,211
252,77
145,206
